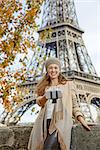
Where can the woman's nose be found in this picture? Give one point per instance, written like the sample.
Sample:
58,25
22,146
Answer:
53,69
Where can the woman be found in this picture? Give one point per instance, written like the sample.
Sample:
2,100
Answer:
58,101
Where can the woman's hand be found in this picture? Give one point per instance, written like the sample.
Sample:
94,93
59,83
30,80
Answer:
41,100
83,122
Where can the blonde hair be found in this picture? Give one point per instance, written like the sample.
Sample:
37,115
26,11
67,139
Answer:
45,82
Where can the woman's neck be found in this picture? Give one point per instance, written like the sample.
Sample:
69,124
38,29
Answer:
54,82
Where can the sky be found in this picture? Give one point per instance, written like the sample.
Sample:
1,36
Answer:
88,13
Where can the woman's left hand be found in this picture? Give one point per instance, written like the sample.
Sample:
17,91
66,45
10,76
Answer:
83,122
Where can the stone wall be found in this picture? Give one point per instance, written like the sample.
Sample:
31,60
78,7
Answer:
16,138
85,140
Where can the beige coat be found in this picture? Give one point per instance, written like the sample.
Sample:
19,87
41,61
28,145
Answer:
61,121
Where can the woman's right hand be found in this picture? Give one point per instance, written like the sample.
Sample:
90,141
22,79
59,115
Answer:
41,100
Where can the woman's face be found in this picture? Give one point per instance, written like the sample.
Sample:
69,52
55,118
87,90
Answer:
53,71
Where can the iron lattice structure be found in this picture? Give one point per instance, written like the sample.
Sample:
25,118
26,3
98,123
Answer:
67,44
66,41
59,12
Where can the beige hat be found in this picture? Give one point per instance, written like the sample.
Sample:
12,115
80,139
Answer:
52,60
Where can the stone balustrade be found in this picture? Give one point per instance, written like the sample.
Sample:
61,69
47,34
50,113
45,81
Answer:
16,137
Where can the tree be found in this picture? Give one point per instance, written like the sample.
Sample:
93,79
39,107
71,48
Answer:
17,25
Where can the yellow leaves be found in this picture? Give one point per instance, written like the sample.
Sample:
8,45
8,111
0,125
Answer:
15,40
6,11
26,91
2,74
11,43
9,12
46,34
6,47
27,42
24,64
17,99
1,31
9,91
32,13
33,109
0,11
18,89
12,57
4,64
5,96
22,78
33,46
7,104
8,98
17,74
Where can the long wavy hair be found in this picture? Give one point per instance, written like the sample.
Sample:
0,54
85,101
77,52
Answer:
46,82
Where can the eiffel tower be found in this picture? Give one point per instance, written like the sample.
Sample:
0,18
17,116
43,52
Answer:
67,44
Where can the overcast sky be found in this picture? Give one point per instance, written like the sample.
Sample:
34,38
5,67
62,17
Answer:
88,13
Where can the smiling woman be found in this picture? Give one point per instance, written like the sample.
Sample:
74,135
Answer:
58,101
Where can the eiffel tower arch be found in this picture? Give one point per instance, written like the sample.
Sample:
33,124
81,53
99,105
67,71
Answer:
67,44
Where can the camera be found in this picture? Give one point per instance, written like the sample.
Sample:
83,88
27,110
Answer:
53,95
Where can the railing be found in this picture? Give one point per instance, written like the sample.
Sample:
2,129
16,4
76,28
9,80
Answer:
74,73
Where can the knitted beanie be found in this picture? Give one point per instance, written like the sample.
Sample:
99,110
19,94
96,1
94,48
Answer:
52,60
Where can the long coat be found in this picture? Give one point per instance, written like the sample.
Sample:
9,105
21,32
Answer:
61,121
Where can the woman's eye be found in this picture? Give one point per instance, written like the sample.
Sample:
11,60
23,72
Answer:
56,68
50,68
